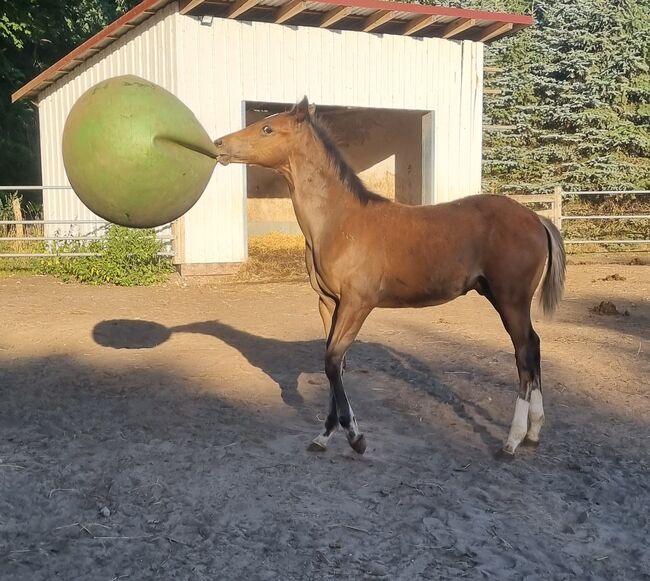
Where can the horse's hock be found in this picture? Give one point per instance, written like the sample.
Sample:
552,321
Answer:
383,146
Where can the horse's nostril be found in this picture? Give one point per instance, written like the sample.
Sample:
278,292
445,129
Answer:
219,142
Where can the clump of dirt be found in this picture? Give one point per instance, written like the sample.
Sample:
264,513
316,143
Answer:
608,308
614,276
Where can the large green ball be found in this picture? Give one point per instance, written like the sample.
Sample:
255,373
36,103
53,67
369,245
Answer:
134,154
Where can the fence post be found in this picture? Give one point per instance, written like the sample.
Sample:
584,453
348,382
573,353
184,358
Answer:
557,207
18,216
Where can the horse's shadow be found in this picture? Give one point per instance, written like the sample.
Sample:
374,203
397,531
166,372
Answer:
285,361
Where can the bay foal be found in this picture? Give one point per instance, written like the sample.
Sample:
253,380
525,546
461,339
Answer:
364,251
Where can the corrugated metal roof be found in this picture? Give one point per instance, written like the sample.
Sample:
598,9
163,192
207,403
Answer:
374,16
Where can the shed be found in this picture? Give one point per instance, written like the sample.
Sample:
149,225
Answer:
401,84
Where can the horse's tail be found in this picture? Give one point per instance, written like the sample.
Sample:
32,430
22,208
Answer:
553,285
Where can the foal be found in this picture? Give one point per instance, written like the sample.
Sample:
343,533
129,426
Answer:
364,251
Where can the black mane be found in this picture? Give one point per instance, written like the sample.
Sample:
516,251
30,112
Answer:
345,173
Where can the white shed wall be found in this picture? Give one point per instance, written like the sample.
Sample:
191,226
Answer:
215,69
223,65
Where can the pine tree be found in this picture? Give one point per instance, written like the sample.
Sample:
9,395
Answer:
576,91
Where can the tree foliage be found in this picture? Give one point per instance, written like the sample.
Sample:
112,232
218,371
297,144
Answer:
576,88
33,35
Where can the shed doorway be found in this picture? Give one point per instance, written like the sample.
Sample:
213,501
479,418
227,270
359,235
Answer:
384,146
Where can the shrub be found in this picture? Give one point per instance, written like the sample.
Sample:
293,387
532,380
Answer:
126,257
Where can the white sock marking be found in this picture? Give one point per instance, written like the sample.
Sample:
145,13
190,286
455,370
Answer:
322,439
536,415
519,426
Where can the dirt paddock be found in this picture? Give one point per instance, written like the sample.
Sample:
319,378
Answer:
161,433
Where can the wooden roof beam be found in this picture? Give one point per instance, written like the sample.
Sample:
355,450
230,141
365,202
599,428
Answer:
290,10
490,32
378,19
333,16
417,24
457,26
188,5
241,7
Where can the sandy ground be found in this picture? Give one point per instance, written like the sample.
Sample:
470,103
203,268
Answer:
161,433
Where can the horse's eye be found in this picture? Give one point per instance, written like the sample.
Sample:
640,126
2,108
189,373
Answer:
267,130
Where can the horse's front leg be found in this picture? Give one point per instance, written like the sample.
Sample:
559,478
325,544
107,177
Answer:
346,323
326,308
320,442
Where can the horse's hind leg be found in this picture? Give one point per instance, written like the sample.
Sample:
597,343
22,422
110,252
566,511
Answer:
529,406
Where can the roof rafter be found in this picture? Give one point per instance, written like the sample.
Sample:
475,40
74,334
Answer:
418,24
490,32
378,19
189,5
457,26
240,7
290,10
334,15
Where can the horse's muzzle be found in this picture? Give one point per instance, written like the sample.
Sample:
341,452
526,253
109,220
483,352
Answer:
222,156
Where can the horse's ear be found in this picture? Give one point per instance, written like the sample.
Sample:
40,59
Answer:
302,110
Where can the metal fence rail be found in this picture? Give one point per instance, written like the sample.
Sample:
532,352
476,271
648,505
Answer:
56,241
549,205
555,213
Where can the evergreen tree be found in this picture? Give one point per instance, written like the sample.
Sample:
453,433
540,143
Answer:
576,90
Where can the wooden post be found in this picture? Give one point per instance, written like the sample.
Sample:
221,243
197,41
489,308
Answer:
178,244
557,207
428,159
19,229
18,216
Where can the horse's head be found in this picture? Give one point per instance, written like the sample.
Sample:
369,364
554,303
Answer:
268,142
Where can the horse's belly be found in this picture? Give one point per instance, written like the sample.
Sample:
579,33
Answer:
400,293
412,302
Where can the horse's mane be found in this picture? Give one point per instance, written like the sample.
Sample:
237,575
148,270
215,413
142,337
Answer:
345,173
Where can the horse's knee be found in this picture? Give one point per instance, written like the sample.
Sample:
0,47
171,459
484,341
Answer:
332,366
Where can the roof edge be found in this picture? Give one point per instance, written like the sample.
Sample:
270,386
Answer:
433,10
125,22
125,19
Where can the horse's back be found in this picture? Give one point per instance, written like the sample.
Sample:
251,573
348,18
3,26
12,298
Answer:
435,253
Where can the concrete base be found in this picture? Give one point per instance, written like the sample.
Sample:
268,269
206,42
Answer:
208,269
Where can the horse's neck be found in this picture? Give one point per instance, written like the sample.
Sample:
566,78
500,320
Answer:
319,198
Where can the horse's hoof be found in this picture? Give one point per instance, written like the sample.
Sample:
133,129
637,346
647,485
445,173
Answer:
359,445
316,447
530,443
504,455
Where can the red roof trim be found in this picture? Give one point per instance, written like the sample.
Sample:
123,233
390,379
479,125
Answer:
59,69
113,27
437,10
